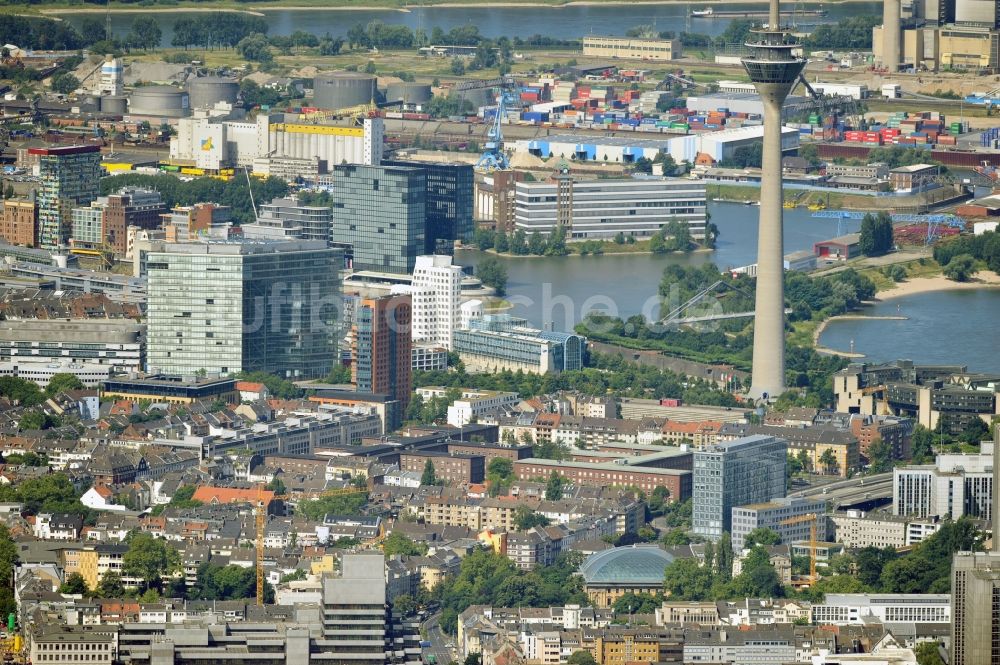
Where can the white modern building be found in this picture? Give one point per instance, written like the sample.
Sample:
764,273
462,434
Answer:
844,609
436,292
792,519
41,372
472,404
602,209
955,485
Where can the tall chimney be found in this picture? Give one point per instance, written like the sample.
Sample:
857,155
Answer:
996,491
890,35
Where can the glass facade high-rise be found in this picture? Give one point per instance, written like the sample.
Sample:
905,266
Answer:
735,473
379,211
226,307
450,195
381,347
70,177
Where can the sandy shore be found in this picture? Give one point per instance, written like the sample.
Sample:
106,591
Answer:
986,278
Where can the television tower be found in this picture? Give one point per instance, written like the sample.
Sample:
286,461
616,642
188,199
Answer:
773,70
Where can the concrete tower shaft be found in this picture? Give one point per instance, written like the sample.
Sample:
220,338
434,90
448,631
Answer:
890,35
773,69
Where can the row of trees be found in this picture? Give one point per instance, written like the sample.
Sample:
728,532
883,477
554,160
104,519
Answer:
488,578
604,374
520,243
233,193
213,30
984,247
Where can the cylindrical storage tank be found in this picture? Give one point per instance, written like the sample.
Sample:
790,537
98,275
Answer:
408,93
159,100
207,91
115,104
337,90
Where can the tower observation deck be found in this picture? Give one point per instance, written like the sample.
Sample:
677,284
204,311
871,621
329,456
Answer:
773,69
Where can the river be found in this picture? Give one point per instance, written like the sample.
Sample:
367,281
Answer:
561,290
571,22
942,327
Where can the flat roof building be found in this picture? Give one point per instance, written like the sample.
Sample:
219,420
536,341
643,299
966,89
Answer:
632,48
223,308
379,213
603,208
745,471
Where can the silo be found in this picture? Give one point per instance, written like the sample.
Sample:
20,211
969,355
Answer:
114,104
408,93
337,90
207,91
159,100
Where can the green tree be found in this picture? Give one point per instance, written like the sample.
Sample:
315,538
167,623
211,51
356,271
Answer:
74,585
277,486
149,559
761,536
581,657
684,579
525,518
428,477
879,456
255,47
493,273
61,382
397,543
145,33
829,461
637,603
922,445
110,586
64,83
554,487
876,234
457,67
343,504
928,653
960,268
21,391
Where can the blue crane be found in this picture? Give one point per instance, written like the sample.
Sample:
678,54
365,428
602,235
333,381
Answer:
494,158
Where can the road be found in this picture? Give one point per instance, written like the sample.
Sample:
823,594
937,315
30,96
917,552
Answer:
853,490
439,641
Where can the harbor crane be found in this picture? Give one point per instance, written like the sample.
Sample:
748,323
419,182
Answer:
504,88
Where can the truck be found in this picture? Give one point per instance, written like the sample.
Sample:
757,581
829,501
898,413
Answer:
424,643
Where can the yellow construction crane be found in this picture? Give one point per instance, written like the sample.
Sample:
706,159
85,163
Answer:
103,251
811,517
881,394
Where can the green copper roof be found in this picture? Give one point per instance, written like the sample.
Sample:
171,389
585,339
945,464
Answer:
639,564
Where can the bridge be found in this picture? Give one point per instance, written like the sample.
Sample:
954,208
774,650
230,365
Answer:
864,492
940,218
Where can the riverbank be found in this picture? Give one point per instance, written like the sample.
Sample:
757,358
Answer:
982,279
372,5
818,331
912,286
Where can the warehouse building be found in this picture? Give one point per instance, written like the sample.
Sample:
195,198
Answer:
632,48
626,149
601,209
